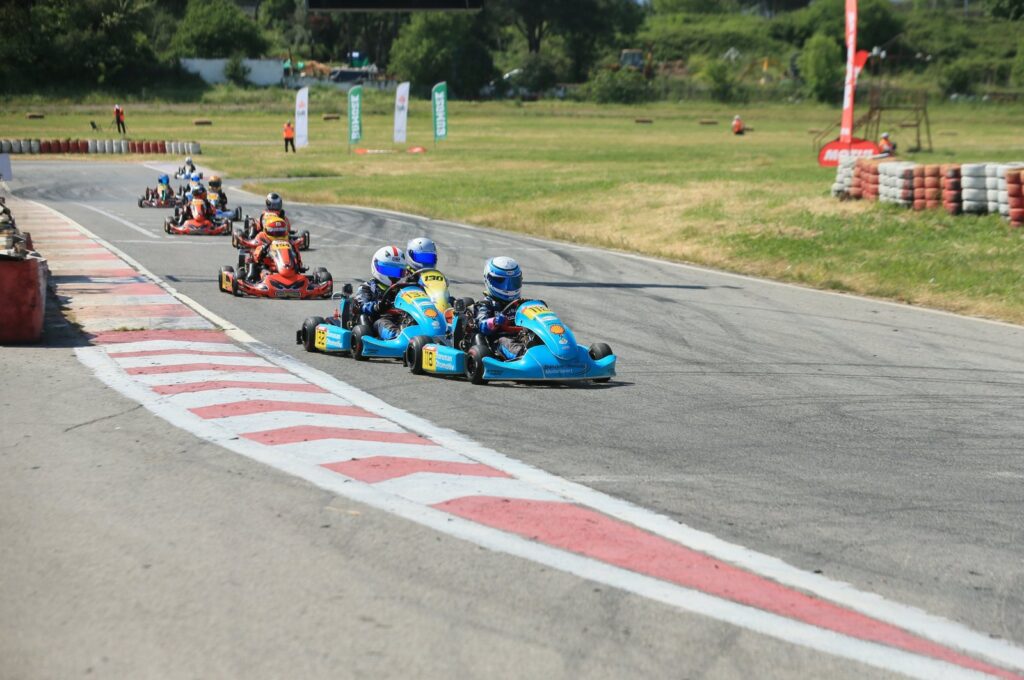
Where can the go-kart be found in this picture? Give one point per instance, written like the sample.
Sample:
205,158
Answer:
551,355
196,226
151,199
223,212
282,279
350,331
246,236
182,174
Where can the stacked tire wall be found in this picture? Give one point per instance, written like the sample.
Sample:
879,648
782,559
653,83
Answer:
927,187
844,176
952,198
896,183
1015,197
974,187
94,146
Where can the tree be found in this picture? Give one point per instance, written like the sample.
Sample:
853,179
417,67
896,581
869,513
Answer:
216,29
1007,9
443,46
821,66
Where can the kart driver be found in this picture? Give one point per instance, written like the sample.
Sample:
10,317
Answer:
189,168
163,188
191,212
387,267
275,208
420,254
503,281
216,188
276,230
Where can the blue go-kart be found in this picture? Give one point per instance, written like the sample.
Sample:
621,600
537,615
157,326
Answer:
551,355
348,331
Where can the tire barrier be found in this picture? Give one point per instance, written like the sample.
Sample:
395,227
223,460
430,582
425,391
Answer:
92,146
5,146
952,198
15,146
1004,173
974,180
896,183
44,146
844,176
23,291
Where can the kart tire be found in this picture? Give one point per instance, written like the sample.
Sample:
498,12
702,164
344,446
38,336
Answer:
321,275
234,239
220,275
600,350
474,364
305,241
238,213
140,202
167,226
414,354
357,341
309,332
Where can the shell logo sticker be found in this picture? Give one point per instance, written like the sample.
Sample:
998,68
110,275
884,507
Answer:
557,329
430,312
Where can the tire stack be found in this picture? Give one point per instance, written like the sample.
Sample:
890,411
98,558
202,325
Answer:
856,183
919,200
974,187
896,184
992,187
1015,197
1003,196
952,199
932,186
844,176
870,180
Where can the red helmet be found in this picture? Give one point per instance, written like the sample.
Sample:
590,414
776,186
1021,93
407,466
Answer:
275,227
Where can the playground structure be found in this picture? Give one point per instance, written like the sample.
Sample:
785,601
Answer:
902,109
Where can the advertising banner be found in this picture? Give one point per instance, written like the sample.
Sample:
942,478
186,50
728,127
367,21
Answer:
401,112
302,118
439,105
355,114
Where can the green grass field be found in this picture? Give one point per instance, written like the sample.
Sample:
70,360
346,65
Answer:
585,173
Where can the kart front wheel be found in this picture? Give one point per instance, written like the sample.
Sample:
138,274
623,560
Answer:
414,354
357,341
309,332
140,202
475,364
600,350
305,241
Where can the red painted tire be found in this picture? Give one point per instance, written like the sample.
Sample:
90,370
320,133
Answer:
44,146
951,184
932,205
931,182
951,196
918,205
1017,215
162,147
932,194
1016,202
952,208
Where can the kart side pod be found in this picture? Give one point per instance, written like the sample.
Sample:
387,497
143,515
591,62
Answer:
442,360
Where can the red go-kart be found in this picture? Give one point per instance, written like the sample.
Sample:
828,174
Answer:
151,199
280,279
202,226
246,236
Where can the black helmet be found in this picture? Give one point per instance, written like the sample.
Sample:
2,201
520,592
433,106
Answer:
274,201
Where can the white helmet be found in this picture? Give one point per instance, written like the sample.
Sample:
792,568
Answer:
503,279
188,160
388,265
421,253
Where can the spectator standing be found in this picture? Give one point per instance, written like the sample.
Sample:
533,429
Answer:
289,137
119,119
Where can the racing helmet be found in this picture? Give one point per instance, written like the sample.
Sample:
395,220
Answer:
276,227
188,160
195,177
421,253
163,179
215,182
388,265
199,191
274,201
503,279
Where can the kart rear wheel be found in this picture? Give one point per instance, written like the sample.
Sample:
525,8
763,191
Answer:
238,213
600,350
309,332
357,341
305,241
140,202
414,354
475,364
167,226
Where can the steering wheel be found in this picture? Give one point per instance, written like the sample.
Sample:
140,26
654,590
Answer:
387,300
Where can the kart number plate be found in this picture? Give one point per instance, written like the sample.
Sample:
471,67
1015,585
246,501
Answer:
413,296
225,281
429,359
534,311
320,339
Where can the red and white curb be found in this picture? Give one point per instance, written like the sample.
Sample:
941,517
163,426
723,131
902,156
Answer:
98,289
227,388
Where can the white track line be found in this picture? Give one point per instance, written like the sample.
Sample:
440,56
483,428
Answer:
119,220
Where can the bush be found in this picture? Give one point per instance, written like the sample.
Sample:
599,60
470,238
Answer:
1018,66
964,75
624,86
723,83
821,67
216,29
435,46
236,72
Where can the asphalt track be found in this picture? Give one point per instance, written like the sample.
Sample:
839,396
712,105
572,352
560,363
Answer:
878,444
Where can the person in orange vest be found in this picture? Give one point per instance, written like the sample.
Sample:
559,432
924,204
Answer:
119,119
289,137
737,125
885,146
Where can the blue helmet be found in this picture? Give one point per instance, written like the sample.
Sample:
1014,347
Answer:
195,177
421,253
503,279
163,179
388,265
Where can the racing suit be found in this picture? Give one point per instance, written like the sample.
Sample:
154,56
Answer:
189,213
386,322
163,192
508,343
261,255
222,199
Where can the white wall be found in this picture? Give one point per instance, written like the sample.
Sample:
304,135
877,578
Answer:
261,71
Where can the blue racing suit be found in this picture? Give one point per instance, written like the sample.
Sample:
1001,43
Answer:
500,328
386,322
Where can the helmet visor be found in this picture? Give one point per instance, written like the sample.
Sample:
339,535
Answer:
390,269
506,283
423,259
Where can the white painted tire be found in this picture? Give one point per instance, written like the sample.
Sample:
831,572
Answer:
975,207
972,170
15,146
993,207
972,182
5,146
976,195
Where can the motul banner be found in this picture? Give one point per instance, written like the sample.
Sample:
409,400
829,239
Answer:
355,114
846,123
302,118
401,112
858,148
